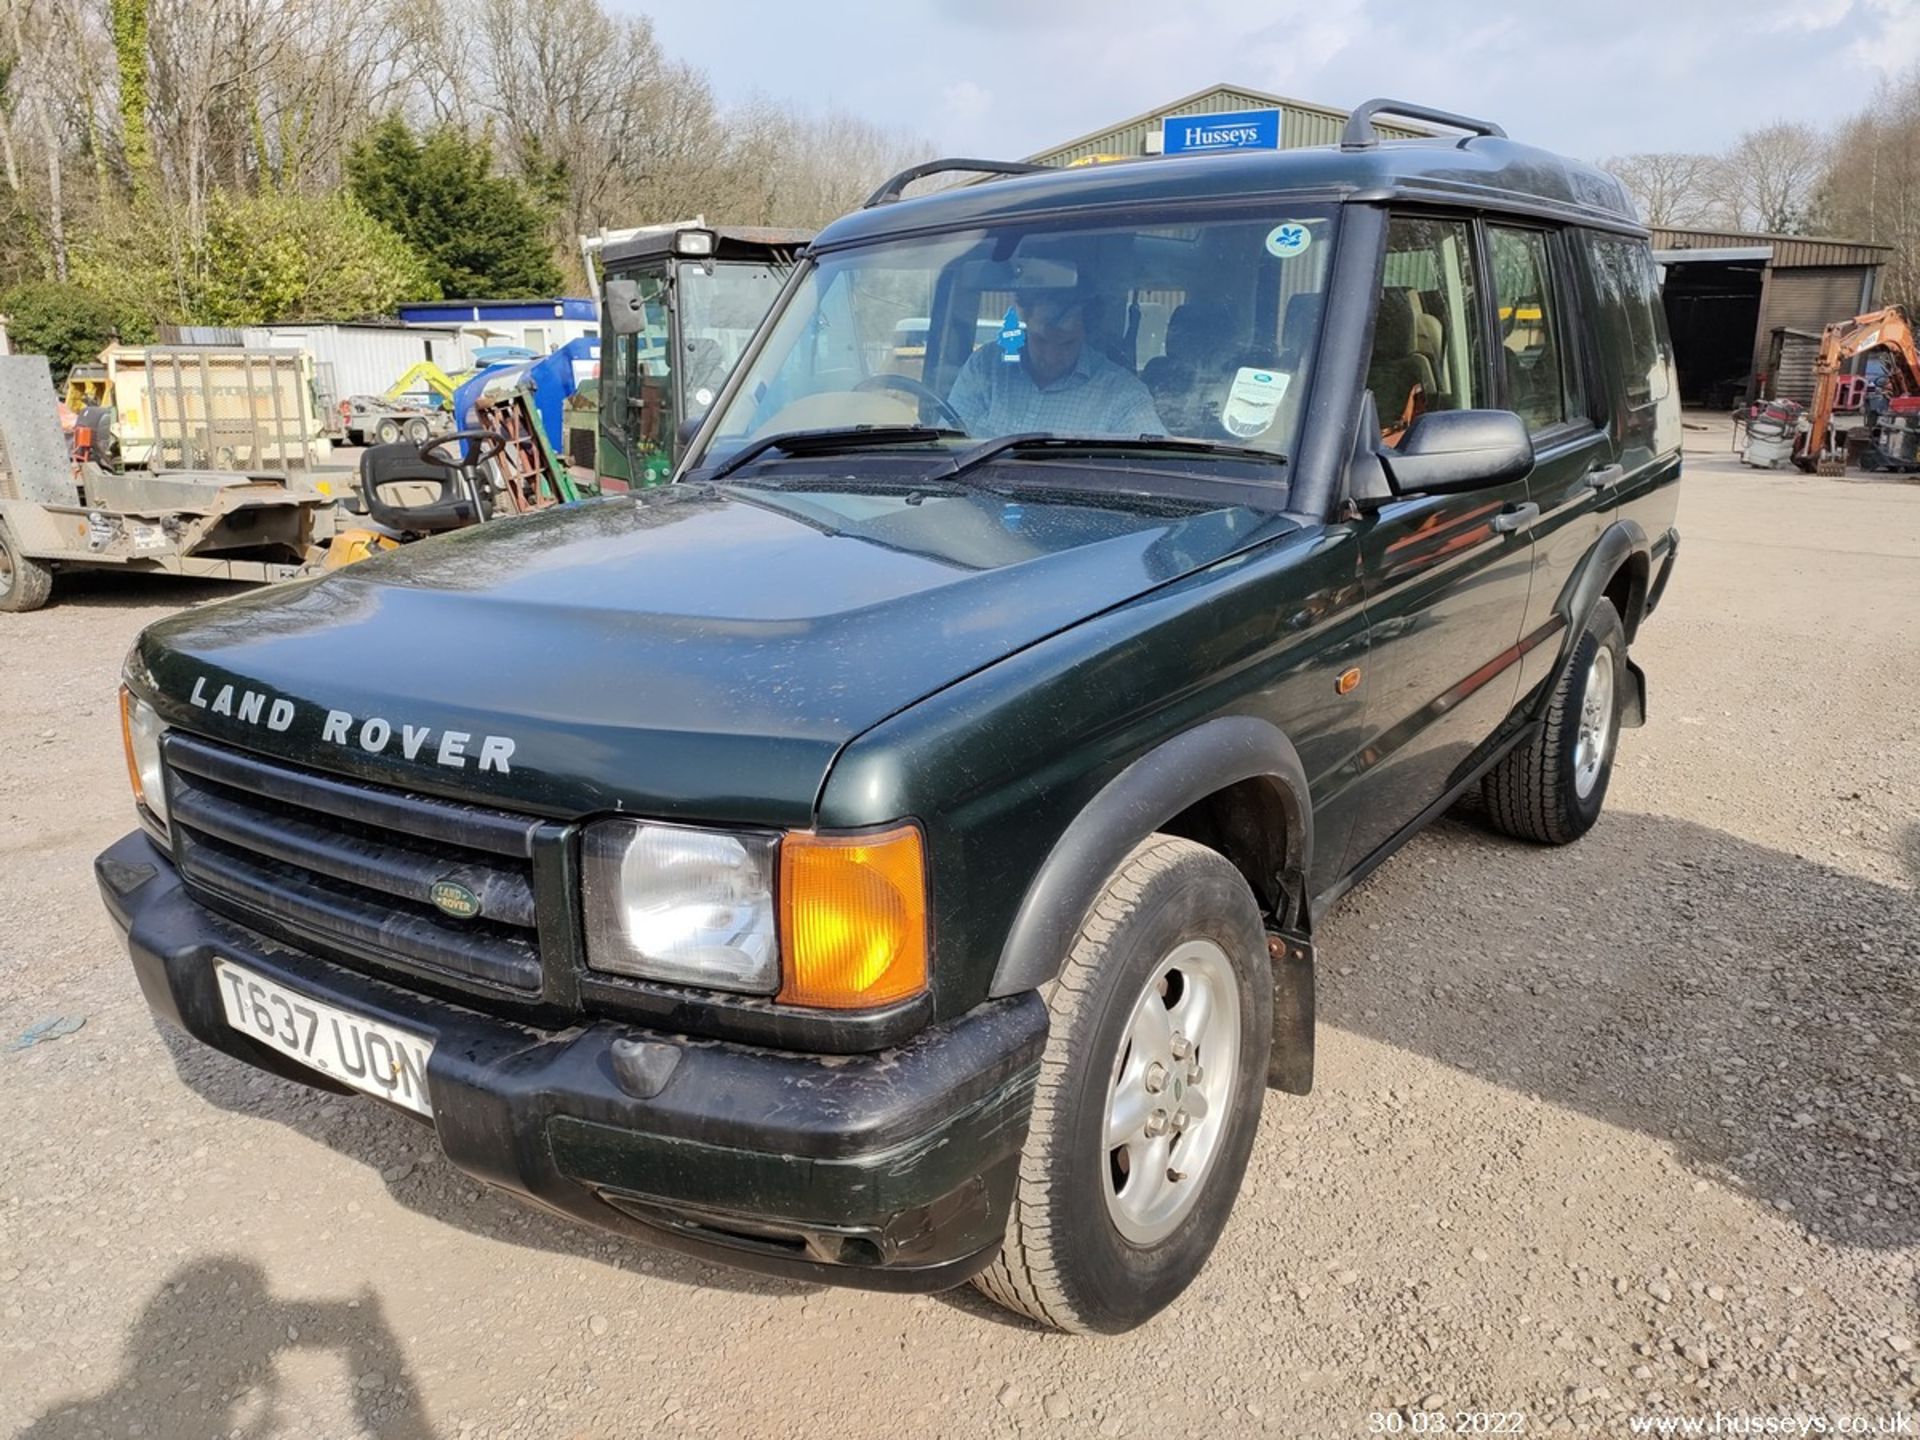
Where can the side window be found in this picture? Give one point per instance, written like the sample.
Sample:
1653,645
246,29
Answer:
1537,374
639,401
1429,352
1632,325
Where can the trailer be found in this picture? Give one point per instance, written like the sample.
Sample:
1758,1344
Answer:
219,407
232,511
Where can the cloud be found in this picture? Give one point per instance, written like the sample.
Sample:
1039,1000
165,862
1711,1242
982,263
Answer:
966,101
1011,77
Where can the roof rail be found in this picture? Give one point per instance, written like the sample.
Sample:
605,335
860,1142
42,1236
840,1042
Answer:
890,192
1360,134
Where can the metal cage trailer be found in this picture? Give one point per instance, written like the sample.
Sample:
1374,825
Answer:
56,514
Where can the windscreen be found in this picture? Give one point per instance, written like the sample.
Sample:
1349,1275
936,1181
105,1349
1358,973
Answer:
1203,329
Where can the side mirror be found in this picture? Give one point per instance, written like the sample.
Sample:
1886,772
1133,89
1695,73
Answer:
686,430
1447,452
624,312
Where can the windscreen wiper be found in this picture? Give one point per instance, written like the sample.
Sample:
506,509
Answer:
817,442
987,450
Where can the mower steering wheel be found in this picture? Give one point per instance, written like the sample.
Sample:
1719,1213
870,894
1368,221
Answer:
486,446
907,385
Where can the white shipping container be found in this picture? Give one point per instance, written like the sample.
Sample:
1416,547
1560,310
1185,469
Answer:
361,359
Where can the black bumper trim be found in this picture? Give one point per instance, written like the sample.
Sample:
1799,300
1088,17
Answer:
888,1171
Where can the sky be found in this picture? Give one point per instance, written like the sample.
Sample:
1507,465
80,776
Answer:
1004,78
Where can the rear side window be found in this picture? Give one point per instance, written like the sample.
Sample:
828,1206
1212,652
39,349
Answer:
1537,373
1427,348
1631,323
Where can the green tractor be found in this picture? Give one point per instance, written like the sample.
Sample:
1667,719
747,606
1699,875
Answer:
678,305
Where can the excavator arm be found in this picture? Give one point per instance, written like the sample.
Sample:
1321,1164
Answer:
424,374
1887,330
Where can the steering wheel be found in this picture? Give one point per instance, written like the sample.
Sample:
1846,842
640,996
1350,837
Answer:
486,445
907,385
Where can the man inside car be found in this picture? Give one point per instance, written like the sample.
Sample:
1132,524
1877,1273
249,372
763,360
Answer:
1058,384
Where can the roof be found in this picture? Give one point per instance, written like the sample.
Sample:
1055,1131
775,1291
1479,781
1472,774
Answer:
1786,251
1212,99
734,242
1474,171
541,307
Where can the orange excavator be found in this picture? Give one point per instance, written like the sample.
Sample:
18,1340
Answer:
1893,423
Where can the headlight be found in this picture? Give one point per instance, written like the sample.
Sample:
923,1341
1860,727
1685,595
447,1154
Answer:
140,730
670,902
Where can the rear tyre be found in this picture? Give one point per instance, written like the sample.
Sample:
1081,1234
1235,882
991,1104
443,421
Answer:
24,584
1148,1099
1552,789
387,432
418,431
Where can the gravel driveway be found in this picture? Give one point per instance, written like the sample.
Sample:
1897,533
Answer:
1622,1129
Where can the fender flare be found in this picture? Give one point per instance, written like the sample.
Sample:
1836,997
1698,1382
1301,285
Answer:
1618,544
1130,807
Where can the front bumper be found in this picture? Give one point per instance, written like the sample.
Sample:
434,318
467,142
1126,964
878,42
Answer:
891,1171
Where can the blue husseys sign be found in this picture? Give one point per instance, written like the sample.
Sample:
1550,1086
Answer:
1238,130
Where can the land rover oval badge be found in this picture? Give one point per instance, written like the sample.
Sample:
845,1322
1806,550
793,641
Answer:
453,898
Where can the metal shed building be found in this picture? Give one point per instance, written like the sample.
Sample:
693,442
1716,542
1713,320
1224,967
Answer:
1727,291
1301,123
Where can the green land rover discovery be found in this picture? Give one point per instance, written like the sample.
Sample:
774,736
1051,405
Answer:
890,853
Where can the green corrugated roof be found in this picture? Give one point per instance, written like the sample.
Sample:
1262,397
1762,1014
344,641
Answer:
1302,123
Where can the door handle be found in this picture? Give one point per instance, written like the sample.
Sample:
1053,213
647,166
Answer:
1601,476
1516,517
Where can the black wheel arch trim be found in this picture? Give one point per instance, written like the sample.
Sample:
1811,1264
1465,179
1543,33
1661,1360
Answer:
1619,544
1144,796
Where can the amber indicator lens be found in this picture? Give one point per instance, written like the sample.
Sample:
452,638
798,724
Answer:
140,732
126,740
853,911
1348,682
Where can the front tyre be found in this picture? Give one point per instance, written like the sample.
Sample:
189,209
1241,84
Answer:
1551,790
1148,1098
25,584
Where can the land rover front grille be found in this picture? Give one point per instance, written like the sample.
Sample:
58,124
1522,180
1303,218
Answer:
355,869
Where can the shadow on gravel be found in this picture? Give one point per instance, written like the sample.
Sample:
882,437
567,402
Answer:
202,1360
403,1153
108,589
1758,1010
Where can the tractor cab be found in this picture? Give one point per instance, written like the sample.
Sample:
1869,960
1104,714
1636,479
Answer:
678,306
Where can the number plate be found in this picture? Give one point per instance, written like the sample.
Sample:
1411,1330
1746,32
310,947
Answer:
352,1049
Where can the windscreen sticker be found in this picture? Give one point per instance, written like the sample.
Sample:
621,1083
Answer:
1252,400
1288,240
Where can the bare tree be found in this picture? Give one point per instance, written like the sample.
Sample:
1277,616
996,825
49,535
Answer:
1670,188
1769,179
1871,189
34,35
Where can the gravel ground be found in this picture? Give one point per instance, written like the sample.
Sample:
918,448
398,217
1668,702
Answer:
1627,1128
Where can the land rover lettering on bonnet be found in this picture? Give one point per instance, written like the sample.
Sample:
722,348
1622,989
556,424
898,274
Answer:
372,733
892,853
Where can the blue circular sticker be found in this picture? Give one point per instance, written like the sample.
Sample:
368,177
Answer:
1288,240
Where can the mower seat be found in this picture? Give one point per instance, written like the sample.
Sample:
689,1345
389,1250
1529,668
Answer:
404,493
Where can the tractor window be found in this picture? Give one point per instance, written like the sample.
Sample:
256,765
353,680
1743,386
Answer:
1530,327
721,304
637,390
